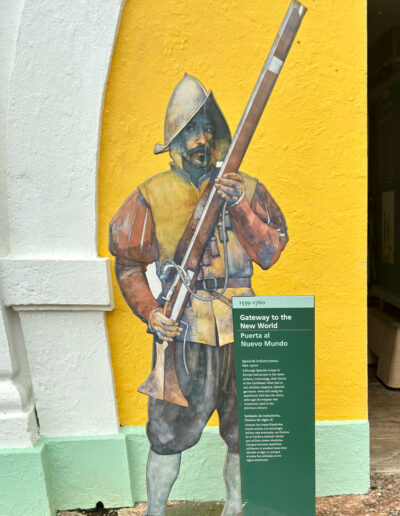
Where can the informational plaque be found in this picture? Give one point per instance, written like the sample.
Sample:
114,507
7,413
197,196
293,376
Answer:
274,354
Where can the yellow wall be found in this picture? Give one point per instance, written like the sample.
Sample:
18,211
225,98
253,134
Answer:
309,149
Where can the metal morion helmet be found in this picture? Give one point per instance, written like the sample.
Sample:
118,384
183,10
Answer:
187,99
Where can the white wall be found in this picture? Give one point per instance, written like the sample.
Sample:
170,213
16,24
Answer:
17,411
9,21
54,287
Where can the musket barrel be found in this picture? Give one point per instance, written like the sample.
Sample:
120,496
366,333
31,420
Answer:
263,87
248,123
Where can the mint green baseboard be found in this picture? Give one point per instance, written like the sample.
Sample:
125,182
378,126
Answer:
86,470
78,472
342,457
24,487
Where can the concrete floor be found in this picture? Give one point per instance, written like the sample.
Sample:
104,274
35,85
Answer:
174,509
384,418
382,500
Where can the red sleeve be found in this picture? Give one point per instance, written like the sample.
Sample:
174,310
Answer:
133,242
261,227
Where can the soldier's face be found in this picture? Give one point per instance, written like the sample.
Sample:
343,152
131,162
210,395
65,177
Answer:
198,140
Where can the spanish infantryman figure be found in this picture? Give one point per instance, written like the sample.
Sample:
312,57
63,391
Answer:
147,229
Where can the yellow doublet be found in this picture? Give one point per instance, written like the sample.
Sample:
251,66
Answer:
172,198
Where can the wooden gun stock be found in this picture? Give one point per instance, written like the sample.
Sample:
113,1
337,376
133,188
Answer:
163,382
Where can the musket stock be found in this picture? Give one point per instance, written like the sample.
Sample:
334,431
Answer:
163,382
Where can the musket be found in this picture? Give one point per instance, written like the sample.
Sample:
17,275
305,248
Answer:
163,382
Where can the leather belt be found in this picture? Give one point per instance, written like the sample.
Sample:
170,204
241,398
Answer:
212,284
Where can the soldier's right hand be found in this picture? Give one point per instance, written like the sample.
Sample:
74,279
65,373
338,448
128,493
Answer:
163,326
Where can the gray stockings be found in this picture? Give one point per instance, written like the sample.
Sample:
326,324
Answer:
162,471
171,429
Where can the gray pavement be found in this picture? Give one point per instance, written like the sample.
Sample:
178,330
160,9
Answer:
382,500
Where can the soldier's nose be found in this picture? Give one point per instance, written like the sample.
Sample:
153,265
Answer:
202,138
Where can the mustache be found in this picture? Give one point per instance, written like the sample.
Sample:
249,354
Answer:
200,149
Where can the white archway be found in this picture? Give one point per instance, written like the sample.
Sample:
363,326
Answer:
55,288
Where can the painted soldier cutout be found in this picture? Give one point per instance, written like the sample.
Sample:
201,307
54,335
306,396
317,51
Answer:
148,228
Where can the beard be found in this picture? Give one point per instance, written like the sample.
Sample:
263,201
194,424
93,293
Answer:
199,156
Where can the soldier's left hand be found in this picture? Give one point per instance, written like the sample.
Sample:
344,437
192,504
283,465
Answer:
230,187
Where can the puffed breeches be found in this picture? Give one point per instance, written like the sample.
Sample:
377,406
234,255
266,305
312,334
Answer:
211,385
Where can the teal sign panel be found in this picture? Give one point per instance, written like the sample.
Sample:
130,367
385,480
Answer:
274,354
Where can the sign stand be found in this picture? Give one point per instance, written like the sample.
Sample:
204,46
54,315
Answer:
274,354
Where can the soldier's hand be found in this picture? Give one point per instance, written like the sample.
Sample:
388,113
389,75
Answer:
165,327
230,187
